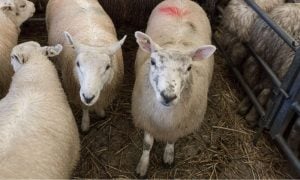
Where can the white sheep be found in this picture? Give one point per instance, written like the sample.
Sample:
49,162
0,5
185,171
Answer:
174,67
92,68
39,136
12,14
237,21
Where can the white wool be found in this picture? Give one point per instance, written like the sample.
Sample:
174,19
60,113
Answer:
39,136
87,23
9,25
169,124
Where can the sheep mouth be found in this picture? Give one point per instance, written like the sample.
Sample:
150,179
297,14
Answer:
166,104
89,101
88,104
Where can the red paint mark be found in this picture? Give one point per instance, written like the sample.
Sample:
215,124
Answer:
173,11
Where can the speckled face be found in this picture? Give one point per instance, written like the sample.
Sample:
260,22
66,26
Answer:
169,71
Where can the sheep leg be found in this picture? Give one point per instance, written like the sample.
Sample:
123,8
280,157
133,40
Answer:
85,124
246,103
169,154
238,53
142,166
244,106
100,112
253,115
252,72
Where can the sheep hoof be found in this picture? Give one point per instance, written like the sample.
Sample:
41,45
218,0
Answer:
242,110
168,160
141,170
244,106
168,166
252,120
140,177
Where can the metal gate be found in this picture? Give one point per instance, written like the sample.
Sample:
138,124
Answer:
281,118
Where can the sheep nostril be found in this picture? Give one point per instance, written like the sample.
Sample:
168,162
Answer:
168,98
88,99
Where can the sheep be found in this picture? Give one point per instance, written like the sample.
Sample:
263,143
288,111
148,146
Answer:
238,17
273,50
39,136
174,67
12,14
237,21
91,62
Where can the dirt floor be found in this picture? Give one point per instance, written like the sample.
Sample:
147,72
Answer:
221,148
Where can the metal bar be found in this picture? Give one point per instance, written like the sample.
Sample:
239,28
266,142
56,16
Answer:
289,153
287,110
249,92
288,82
220,9
274,112
269,71
285,36
36,19
280,110
240,78
296,107
283,118
293,72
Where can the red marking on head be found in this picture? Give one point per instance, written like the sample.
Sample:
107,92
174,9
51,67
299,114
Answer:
173,11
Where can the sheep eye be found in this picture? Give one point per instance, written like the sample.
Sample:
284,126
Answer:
78,65
189,68
15,58
23,6
9,8
153,62
107,67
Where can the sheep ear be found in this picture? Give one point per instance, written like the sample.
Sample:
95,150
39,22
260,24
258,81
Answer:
18,58
70,39
203,52
51,51
116,46
17,61
74,43
145,42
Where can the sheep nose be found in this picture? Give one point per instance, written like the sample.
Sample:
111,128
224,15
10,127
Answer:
88,99
167,98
